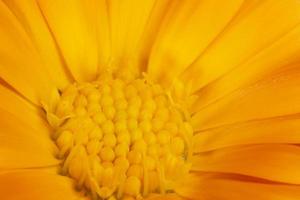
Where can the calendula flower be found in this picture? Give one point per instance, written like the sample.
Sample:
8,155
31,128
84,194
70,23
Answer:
149,99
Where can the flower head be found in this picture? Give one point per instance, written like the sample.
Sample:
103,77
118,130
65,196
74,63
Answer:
131,100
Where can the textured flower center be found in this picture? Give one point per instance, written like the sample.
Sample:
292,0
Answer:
122,139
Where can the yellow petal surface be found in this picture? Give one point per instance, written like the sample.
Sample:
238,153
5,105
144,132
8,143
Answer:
271,131
31,18
36,185
273,162
160,10
22,146
99,9
281,55
222,187
24,111
188,28
20,64
128,19
257,25
274,96
74,28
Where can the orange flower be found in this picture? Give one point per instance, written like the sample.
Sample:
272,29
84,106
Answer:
130,99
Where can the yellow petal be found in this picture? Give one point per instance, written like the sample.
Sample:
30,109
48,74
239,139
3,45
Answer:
271,131
74,28
100,11
36,185
189,27
128,19
273,162
22,146
17,106
253,29
159,11
277,95
20,64
216,187
28,13
281,55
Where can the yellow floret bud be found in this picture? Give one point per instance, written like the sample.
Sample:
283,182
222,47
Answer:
121,104
140,145
163,137
157,124
120,126
122,163
150,138
80,111
96,133
123,137
132,124
93,107
80,101
136,135
108,127
145,126
132,186
130,91
109,140
121,115
93,96
177,145
99,117
135,170
121,149
107,154
106,100
109,112
93,146
134,157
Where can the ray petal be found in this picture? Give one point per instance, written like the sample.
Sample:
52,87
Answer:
272,162
274,96
281,130
215,187
74,27
20,63
188,28
36,185
254,29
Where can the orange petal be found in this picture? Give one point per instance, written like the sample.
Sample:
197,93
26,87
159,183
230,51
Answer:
74,27
274,96
20,64
22,146
273,162
36,185
278,130
33,22
188,28
223,188
252,31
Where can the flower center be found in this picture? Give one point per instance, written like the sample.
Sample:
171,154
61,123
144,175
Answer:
122,139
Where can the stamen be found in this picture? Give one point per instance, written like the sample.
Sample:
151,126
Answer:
121,139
